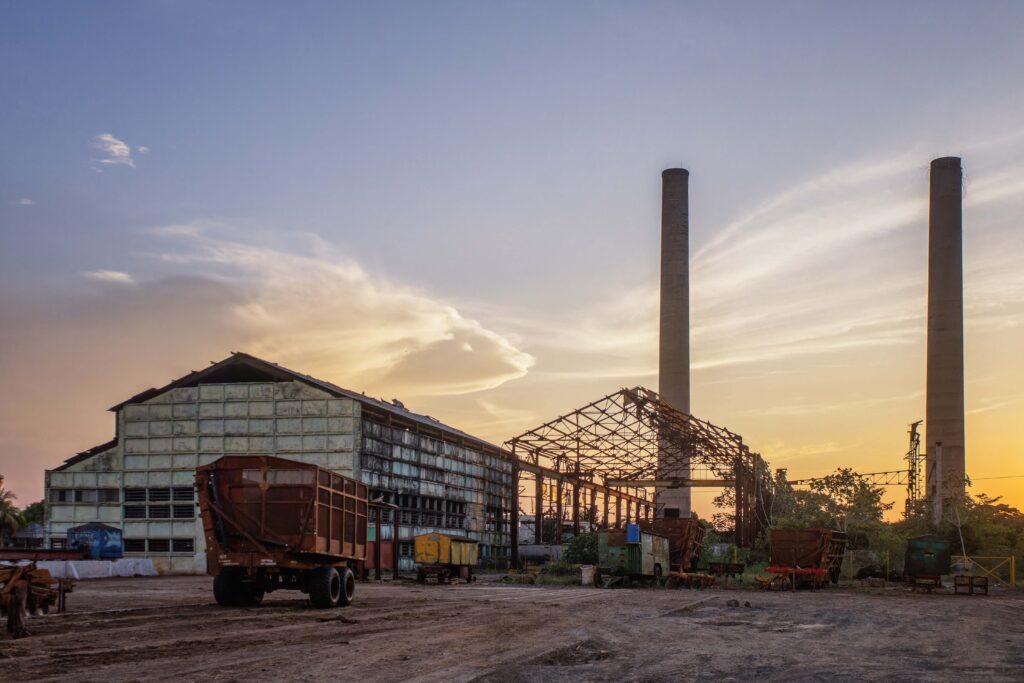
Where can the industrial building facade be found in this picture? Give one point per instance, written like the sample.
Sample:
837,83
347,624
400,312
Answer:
440,478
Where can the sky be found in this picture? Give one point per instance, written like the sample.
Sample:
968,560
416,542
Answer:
458,205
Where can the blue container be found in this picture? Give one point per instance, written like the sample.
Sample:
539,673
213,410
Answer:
632,533
104,542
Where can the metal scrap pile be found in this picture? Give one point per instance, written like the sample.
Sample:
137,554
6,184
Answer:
28,590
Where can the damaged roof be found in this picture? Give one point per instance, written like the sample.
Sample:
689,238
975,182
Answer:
84,455
242,367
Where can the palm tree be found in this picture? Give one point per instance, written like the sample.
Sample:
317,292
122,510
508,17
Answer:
11,518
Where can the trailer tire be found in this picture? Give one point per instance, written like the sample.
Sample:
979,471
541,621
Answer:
324,585
227,588
348,587
250,595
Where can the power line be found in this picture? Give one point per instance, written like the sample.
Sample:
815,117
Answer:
1009,476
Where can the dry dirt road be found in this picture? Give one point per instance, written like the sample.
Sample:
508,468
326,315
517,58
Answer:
169,629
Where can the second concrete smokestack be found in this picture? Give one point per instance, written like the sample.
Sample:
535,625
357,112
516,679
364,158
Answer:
674,349
944,416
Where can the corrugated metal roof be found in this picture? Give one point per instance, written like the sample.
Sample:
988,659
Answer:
279,373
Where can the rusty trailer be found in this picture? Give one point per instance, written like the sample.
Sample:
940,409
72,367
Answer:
685,537
26,589
806,557
273,524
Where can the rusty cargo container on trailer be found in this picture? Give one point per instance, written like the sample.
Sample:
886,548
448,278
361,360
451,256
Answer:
274,524
809,556
444,556
685,537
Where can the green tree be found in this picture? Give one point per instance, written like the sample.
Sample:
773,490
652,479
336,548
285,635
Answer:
842,500
34,513
11,518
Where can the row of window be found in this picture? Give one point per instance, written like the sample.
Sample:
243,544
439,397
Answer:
186,511
107,495
392,455
428,444
162,494
159,545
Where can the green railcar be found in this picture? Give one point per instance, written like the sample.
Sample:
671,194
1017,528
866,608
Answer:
630,554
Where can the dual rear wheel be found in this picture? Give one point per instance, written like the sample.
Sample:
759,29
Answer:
330,587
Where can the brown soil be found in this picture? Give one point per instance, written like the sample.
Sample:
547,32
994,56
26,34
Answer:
168,628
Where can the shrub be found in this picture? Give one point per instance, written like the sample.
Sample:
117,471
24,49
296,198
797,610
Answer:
582,549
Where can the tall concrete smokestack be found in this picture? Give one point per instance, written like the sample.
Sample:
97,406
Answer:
674,348
944,417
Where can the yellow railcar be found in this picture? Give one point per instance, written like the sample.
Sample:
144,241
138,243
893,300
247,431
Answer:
443,557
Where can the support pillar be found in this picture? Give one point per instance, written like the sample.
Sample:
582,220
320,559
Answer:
514,514
538,513
576,503
559,512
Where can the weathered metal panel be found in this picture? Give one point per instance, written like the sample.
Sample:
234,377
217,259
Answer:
274,510
927,556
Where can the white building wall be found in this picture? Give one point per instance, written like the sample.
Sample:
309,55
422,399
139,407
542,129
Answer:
162,441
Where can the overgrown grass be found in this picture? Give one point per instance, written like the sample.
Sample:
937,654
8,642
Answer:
560,573
561,568
558,580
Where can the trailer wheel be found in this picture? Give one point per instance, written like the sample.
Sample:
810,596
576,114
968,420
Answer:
250,595
348,587
324,587
227,588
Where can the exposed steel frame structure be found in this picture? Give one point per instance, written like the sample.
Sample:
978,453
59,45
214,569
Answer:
623,444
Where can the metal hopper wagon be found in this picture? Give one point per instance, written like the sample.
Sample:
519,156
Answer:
273,524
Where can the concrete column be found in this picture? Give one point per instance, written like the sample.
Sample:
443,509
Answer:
674,345
944,412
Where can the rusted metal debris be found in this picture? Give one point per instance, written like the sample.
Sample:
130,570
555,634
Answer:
29,590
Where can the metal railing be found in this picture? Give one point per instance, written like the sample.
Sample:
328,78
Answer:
989,567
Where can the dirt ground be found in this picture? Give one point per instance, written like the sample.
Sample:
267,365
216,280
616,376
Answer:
163,629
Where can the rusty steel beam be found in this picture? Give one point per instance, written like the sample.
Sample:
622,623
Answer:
672,483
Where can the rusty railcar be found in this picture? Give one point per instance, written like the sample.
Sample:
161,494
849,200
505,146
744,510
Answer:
807,556
274,524
685,536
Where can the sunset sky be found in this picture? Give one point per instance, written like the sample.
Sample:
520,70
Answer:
458,204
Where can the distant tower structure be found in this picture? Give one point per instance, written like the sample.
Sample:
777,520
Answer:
945,470
674,342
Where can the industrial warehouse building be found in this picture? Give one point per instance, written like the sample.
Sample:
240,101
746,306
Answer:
142,481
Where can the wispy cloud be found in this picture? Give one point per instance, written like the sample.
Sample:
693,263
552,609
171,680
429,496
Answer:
112,276
354,325
115,152
24,201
